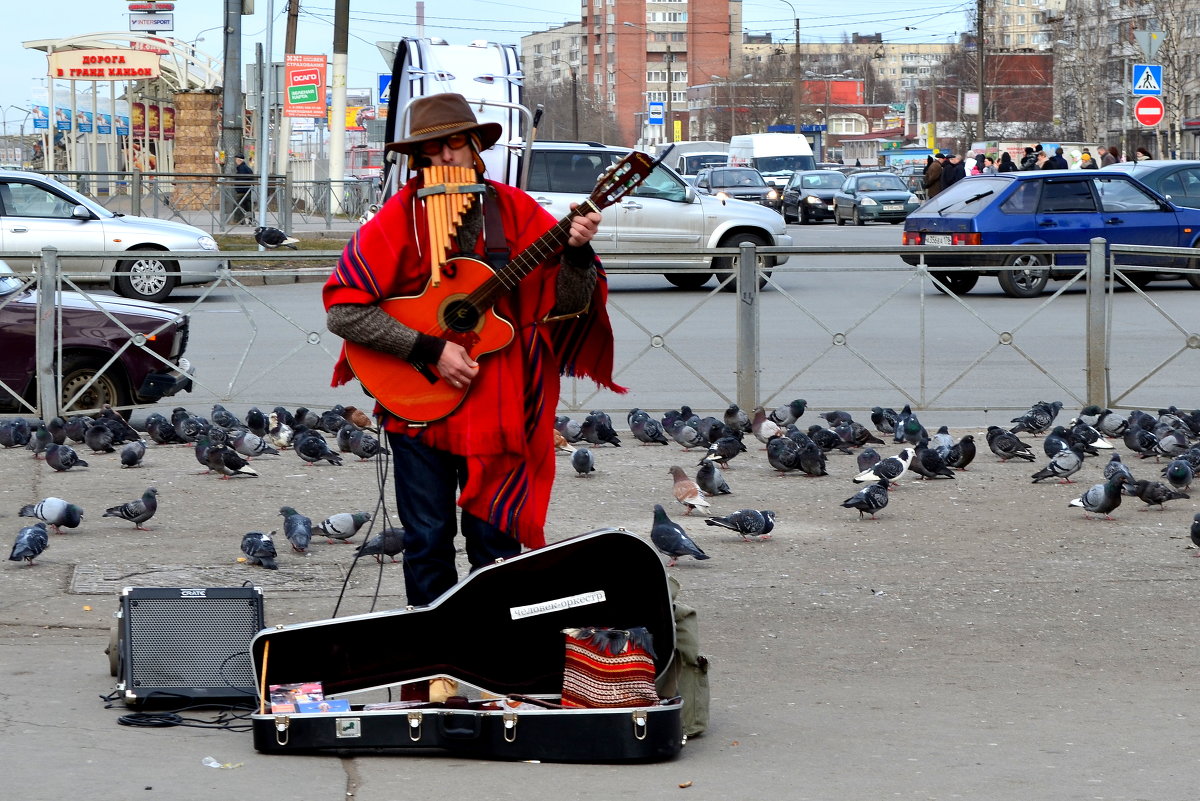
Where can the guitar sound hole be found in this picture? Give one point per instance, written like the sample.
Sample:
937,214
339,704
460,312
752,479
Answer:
461,316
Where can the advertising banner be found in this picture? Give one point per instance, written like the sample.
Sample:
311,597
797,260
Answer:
168,122
137,114
303,86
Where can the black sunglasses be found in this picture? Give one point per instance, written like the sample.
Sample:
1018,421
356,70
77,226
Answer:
431,147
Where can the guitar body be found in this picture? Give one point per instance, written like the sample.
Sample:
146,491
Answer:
417,393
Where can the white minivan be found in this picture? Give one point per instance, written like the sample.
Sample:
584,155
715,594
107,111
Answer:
775,155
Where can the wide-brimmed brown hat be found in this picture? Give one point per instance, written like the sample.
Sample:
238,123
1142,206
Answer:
437,116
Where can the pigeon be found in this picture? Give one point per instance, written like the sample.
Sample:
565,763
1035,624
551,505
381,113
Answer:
15,433
827,440
649,431
1172,443
890,468
785,416
942,442
388,542
884,420
1142,442
256,421
723,450
962,453
869,499
1116,467
1007,445
58,429
158,427
812,460
132,453
249,444
908,427
224,418
860,435
280,432
311,447
357,416
710,479
1153,493
1037,419
783,454
560,442
365,446
332,421
687,492
764,428
597,429
228,463
734,417
55,511
1101,499
1179,473
837,417
928,464
31,542
136,512
583,461
867,458
63,457
40,440
1195,534
685,435
1062,465
568,428
271,238
1058,439
343,525
297,528
670,538
305,417
343,436
747,522
260,549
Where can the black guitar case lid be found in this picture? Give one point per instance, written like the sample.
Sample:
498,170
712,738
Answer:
500,629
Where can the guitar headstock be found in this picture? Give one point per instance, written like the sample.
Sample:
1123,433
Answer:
622,178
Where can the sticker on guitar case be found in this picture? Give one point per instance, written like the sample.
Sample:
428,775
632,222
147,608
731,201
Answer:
557,605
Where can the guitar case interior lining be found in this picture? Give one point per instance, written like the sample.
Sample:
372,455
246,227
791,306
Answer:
499,630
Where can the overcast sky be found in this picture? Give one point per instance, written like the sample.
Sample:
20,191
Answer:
377,20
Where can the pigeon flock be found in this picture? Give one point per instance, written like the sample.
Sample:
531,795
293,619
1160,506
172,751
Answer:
895,447
222,443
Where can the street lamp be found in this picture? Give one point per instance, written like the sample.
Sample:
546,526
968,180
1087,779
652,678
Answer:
669,59
795,65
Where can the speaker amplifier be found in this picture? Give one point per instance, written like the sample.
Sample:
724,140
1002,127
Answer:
179,646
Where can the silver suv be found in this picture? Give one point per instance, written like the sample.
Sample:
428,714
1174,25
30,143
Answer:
663,215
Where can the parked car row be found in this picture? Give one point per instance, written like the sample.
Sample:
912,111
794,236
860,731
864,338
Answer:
861,197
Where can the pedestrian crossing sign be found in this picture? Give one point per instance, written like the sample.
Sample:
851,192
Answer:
1147,79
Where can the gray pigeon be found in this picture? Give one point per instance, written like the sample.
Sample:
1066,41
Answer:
227,462
942,442
1063,465
1195,534
343,525
15,433
364,445
63,457
783,454
260,549
132,453
31,542
136,512
249,444
297,528
890,468
343,436
1153,493
962,453
311,447
583,461
224,418
1007,445
711,480
670,538
40,440
685,435
787,415
1101,499
388,542
1116,467
869,499
868,458
647,430
571,430
55,511
1179,473
747,522
1038,418
737,419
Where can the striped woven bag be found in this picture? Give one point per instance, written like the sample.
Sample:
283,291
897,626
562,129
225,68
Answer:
608,668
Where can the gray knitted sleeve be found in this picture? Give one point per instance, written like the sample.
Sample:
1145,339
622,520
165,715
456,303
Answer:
371,325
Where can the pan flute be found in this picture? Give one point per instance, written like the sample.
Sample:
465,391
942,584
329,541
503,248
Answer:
448,192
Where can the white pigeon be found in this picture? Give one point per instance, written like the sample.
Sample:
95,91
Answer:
890,468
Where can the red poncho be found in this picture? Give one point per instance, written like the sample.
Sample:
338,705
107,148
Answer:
504,426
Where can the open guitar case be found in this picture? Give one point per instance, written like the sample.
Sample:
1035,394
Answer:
501,631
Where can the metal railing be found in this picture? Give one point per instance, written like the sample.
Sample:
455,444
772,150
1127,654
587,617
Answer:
1059,343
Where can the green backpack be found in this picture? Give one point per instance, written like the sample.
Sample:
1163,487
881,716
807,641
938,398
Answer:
688,674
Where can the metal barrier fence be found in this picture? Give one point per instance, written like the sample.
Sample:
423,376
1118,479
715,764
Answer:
256,344
214,202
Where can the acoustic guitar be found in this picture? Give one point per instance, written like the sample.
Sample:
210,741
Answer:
459,309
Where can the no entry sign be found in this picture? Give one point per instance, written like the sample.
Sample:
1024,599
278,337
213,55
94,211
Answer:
1149,111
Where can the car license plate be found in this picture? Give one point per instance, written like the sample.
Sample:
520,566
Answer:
893,207
937,239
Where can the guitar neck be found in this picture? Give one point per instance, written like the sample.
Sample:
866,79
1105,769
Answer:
546,245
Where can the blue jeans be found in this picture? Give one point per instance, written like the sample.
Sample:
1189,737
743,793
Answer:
427,483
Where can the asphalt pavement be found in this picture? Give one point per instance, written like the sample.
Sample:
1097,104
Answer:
979,640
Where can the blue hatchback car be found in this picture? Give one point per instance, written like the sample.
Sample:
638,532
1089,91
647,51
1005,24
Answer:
1051,207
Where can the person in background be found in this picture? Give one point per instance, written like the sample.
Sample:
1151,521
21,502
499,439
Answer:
242,213
980,164
989,165
1142,154
493,455
1056,162
1040,160
934,173
954,170
1007,164
1105,157
1030,160
1086,162
1115,152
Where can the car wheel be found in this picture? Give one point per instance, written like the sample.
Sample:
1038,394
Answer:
723,266
896,222
149,278
110,387
956,283
1194,278
1029,278
837,218
804,218
687,280
1139,278
788,218
858,220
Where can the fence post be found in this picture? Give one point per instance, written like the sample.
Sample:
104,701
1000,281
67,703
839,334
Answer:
747,327
135,199
47,309
285,201
1097,336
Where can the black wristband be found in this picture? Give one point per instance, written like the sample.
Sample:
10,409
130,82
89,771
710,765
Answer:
581,257
427,349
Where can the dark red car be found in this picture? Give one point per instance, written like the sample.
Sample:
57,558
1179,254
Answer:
90,337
